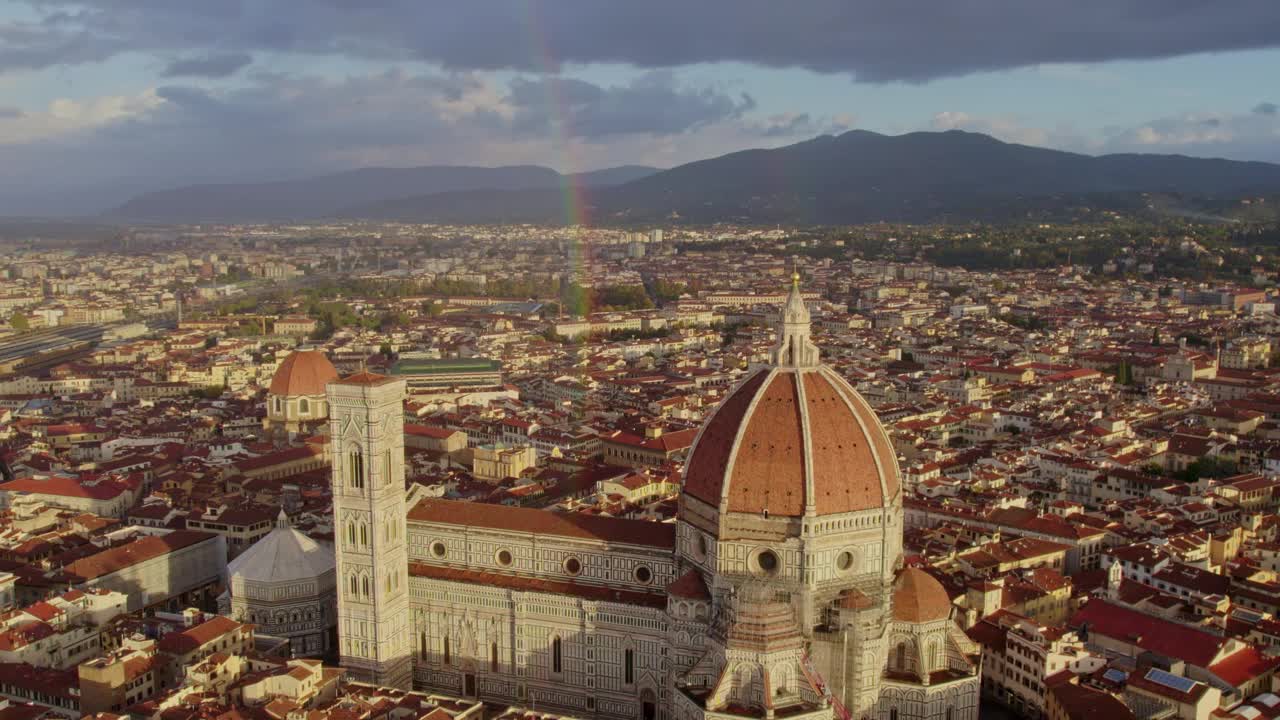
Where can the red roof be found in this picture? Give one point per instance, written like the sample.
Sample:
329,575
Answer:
544,522
1243,666
1150,633
303,373
558,587
66,486
690,586
140,550
787,439
181,643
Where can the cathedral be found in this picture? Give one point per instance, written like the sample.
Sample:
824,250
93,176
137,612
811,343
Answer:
779,591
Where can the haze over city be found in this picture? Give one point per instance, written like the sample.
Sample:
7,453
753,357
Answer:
652,361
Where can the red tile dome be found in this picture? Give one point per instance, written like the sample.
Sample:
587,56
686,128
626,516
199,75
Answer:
793,441
305,372
918,597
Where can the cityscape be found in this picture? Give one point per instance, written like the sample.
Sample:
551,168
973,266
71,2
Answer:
653,401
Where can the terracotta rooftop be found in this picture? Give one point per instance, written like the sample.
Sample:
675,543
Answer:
127,555
544,522
364,377
919,598
304,372
557,587
761,451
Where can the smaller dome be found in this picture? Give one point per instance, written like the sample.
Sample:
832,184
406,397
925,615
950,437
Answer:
283,556
305,372
918,597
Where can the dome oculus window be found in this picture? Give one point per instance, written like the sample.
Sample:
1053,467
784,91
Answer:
643,574
504,557
438,549
767,562
844,561
572,565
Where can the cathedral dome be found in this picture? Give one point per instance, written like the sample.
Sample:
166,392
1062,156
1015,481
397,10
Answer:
793,442
918,597
305,372
793,439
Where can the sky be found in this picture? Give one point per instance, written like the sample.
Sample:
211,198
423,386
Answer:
102,99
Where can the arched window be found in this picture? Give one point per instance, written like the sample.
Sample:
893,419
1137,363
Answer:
304,406
424,646
933,656
355,468
279,405
893,713
351,533
364,535
365,585
556,659
448,656
355,586
629,666
901,662
493,657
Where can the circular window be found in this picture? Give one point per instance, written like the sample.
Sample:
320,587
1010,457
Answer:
767,561
573,566
844,560
504,557
643,574
437,549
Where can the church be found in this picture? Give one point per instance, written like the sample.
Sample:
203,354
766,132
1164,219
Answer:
779,591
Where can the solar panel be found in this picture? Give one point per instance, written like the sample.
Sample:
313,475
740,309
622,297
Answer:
1115,676
1170,680
1247,615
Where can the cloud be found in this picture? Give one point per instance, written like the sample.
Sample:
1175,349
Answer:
801,125
1253,135
863,38
1003,127
1266,108
653,104
210,66
275,126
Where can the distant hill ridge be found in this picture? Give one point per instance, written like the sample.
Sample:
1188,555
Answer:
858,176
322,196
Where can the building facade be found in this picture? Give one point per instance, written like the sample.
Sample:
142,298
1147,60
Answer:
778,591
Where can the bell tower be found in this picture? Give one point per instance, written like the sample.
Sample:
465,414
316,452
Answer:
366,431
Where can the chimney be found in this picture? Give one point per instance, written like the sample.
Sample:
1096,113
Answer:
652,431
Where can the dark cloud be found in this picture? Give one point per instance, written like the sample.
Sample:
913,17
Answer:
275,126
652,104
1266,108
871,39
209,66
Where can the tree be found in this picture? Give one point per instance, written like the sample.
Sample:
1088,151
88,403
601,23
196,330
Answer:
19,322
1124,373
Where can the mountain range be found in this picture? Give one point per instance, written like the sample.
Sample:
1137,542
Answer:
858,176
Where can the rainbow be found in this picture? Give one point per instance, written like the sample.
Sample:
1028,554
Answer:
573,198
